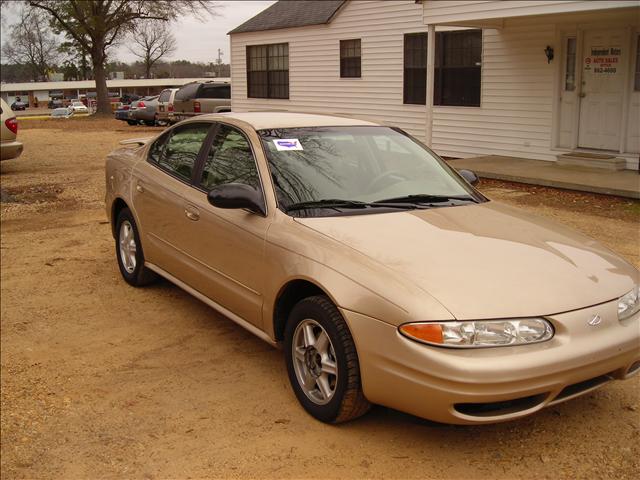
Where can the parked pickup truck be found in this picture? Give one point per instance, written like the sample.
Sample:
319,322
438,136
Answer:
200,97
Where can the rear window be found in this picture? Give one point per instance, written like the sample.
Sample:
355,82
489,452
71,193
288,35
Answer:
187,92
215,91
164,96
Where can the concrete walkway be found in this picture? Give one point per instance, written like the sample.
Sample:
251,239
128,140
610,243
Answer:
624,183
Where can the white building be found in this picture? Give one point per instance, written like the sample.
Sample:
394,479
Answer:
531,79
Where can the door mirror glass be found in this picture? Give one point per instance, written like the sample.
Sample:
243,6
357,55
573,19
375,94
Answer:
237,195
469,176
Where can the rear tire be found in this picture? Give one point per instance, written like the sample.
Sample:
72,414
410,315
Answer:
322,362
132,122
129,252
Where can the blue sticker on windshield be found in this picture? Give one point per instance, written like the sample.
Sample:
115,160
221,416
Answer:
283,144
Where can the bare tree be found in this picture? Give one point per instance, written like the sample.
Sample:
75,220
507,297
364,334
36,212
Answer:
31,43
152,41
96,25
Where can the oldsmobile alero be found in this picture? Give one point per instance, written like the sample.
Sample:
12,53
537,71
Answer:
384,274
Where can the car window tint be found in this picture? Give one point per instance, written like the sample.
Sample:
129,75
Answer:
164,96
230,160
187,92
217,91
178,153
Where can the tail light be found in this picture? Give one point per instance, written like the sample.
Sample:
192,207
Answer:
12,124
170,107
125,107
141,105
196,107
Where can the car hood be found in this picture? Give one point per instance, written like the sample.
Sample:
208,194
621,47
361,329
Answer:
487,260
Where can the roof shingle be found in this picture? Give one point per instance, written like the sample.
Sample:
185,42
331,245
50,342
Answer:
291,13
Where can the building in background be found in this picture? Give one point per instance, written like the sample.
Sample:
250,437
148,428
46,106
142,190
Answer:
531,79
46,91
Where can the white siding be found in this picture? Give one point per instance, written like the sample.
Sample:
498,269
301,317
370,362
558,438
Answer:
516,117
447,11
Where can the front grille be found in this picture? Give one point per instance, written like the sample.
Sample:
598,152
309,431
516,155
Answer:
500,408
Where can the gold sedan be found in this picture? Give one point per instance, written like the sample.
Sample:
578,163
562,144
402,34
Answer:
385,276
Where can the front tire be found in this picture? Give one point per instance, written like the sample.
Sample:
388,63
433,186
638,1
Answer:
129,251
322,362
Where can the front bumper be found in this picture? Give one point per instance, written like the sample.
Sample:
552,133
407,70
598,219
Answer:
9,150
495,384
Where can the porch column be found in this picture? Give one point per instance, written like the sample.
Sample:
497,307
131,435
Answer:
431,60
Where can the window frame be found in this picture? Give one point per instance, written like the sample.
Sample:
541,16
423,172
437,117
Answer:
439,67
344,46
202,159
268,85
166,136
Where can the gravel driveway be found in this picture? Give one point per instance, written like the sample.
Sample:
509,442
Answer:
103,380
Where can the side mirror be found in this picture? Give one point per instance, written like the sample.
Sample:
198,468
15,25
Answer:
469,176
237,195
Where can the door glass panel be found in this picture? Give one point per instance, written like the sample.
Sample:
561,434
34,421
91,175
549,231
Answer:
570,70
181,149
230,160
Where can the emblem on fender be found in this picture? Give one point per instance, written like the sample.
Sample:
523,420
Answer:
595,320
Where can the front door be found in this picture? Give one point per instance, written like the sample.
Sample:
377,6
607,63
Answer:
604,59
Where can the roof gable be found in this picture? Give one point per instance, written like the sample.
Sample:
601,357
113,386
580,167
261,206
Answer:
291,13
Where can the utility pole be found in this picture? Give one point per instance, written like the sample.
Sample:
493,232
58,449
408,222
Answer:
219,63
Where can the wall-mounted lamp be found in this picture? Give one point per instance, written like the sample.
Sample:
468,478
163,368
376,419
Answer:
549,53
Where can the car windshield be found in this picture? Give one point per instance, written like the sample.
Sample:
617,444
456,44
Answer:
358,164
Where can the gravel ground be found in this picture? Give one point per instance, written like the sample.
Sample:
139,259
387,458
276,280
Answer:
100,380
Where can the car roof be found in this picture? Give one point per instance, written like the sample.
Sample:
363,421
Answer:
266,120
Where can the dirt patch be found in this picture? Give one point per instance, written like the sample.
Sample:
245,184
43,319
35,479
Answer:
101,380
42,193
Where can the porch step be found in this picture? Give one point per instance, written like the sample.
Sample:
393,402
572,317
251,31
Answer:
593,160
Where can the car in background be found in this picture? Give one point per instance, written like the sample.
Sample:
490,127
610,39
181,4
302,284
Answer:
56,103
165,106
10,147
18,105
144,111
62,113
122,113
127,98
383,273
78,107
200,97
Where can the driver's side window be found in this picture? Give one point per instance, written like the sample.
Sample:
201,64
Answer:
230,160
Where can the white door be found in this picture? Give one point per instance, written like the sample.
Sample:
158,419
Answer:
604,58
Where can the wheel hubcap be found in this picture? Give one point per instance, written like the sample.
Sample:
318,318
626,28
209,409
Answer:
128,247
314,362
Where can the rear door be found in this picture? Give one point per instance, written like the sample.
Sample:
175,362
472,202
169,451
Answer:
214,98
161,186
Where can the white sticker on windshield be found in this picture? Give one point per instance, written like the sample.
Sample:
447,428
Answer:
287,144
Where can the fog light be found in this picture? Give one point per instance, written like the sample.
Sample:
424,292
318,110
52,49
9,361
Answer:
481,333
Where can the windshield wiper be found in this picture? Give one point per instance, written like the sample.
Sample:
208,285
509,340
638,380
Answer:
426,198
339,203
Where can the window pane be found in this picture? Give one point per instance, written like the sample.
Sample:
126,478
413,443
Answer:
415,68
181,150
570,73
458,68
268,71
230,160
350,60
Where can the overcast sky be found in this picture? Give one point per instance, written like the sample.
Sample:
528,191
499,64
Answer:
197,41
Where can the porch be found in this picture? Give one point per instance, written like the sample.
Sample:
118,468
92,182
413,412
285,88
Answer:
622,183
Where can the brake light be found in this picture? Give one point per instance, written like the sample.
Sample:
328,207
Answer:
170,107
140,104
12,124
196,107
125,107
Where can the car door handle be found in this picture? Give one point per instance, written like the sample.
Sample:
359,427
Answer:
139,188
192,213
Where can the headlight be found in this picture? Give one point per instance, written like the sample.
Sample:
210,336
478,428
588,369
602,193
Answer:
629,304
476,334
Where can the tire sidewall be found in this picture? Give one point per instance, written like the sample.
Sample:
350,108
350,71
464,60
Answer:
309,310
133,277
